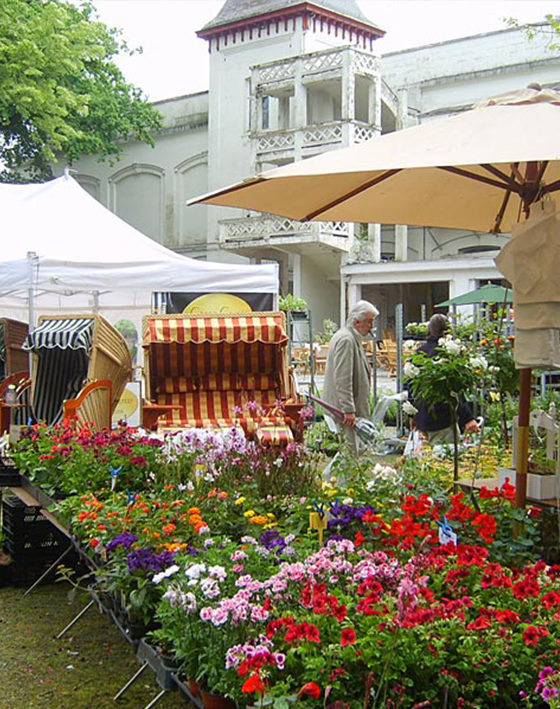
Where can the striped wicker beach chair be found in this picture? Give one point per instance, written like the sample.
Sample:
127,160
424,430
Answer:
14,374
13,358
217,372
80,367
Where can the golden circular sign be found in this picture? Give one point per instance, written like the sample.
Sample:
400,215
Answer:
217,303
128,403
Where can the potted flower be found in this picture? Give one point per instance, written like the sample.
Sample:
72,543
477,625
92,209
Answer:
297,307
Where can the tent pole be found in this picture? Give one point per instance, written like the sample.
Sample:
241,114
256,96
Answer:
522,455
32,260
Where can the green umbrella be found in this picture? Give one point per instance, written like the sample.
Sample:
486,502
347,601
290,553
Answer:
488,293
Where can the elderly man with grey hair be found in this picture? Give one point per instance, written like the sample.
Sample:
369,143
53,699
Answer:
347,375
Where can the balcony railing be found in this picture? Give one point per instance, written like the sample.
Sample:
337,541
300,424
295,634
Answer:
263,230
282,143
315,64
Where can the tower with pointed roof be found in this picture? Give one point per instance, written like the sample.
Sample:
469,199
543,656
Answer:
288,79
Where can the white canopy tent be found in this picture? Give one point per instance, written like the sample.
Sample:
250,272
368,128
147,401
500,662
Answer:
62,251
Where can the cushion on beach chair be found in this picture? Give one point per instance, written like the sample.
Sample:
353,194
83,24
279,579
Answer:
273,435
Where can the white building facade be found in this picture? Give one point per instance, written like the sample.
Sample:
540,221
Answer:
290,79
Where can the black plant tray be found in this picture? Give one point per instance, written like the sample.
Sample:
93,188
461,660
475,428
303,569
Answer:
164,674
9,474
184,688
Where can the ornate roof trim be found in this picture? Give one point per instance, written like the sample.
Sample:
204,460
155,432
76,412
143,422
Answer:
310,11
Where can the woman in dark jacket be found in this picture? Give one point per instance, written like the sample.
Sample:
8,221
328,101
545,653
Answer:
436,422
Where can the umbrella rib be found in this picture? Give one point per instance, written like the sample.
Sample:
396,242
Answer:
349,195
552,187
479,178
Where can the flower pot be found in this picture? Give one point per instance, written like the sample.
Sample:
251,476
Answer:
194,687
539,487
216,701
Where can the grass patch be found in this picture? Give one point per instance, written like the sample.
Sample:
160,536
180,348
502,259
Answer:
84,669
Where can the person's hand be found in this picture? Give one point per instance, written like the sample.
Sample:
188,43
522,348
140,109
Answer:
472,427
349,420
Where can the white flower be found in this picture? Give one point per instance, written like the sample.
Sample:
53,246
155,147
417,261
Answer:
169,571
409,408
194,571
451,346
478,362
409,344
410,370
217,572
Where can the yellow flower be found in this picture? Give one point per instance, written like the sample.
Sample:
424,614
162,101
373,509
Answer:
270,515
249,513
240,501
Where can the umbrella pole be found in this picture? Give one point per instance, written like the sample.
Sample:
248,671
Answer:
522,455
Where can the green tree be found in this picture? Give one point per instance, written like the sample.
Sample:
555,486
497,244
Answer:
61,95
549,27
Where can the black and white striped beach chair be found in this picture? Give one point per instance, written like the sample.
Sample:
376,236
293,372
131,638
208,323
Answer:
80,367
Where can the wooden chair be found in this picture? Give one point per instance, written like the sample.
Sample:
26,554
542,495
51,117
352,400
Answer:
321,354
301,359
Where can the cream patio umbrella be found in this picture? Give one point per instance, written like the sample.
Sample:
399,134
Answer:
480,170
476,170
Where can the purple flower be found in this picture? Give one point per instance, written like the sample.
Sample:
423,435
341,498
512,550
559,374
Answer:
272,539
146,560
343,515
126,540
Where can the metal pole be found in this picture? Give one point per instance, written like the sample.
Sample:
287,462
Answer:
47,572
399,328
130,681
75,619
155,700
522,453
32,262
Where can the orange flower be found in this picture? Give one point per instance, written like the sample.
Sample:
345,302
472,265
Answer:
193,511
168,529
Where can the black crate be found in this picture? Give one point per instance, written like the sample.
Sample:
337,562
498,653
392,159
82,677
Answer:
9,474
16,514
42,540
28,534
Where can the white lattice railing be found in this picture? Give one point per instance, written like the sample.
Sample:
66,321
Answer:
277,71
282,140
362,133
325,61
326,134
270,228
322,135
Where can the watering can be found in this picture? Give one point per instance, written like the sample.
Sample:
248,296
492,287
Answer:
365,428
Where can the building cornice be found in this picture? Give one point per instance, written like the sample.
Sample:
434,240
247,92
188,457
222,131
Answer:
313,17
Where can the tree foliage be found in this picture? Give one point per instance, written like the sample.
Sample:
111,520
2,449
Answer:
61,94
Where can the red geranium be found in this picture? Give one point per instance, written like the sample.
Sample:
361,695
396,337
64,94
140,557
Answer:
348,636
310,689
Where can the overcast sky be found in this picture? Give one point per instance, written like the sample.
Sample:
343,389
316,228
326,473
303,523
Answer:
175,61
